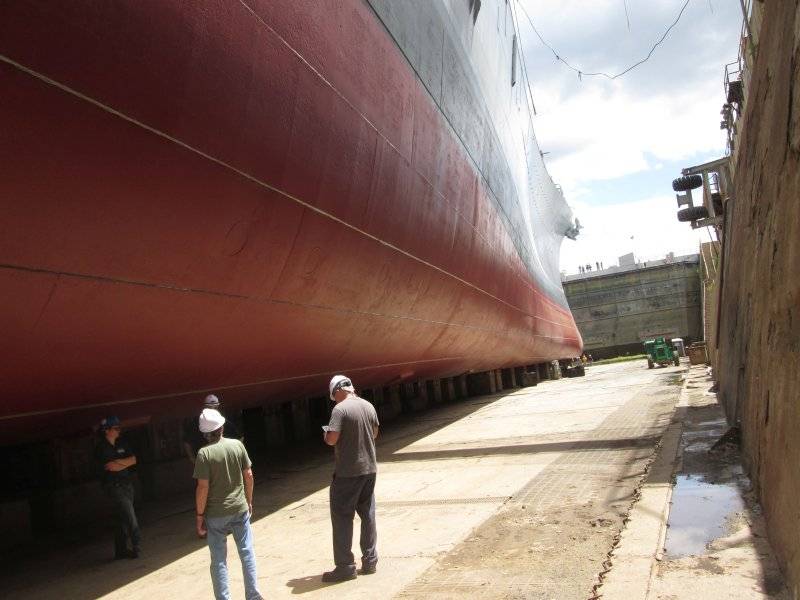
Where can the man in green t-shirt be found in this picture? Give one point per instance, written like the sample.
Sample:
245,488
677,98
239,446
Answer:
224,500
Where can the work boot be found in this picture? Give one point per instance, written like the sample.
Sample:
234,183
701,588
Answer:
368,568
338,575
121,554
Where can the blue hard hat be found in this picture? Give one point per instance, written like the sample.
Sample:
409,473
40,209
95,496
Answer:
109,422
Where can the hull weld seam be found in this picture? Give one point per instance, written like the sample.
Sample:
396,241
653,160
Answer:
261,183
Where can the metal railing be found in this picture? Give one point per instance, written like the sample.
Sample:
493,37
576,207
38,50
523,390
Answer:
737,76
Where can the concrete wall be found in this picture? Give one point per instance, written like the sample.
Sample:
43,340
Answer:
615,313
759,350
710,253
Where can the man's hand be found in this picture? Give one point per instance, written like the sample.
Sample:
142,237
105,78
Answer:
249,482
120,464
202,530
201,499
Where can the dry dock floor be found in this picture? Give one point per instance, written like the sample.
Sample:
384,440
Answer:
518,495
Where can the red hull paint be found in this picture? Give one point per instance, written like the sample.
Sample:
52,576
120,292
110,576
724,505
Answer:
203,196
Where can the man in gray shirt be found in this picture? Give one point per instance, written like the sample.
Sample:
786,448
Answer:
352,431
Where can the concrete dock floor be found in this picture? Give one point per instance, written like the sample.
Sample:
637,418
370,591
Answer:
522,494
697,530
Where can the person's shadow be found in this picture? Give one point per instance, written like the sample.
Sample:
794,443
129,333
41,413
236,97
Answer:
303,585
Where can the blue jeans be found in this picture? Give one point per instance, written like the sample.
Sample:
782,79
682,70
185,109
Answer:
218,530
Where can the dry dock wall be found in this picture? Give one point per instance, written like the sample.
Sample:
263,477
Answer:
615,312
759,342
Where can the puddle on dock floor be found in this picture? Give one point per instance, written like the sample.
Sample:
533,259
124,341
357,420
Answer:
701,512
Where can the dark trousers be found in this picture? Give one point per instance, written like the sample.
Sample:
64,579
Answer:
125,524
350,495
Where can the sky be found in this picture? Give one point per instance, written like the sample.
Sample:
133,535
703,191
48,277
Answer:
616,145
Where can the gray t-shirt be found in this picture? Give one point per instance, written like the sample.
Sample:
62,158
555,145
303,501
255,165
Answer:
354,419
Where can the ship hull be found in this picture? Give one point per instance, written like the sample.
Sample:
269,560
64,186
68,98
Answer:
240,198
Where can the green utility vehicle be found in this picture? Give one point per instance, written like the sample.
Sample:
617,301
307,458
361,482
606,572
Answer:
660,352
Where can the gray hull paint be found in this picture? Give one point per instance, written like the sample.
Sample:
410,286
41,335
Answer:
465,62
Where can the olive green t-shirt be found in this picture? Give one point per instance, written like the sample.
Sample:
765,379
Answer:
223,463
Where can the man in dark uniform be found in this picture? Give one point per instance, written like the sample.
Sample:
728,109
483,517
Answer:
115,459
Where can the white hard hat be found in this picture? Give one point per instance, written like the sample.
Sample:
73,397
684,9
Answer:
340,382
210,420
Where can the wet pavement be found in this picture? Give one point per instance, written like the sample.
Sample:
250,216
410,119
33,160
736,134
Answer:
701,512
708,495
715,544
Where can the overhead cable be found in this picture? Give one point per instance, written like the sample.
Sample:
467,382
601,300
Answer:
581,73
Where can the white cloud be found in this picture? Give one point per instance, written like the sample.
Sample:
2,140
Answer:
602,135
605,135
608,231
